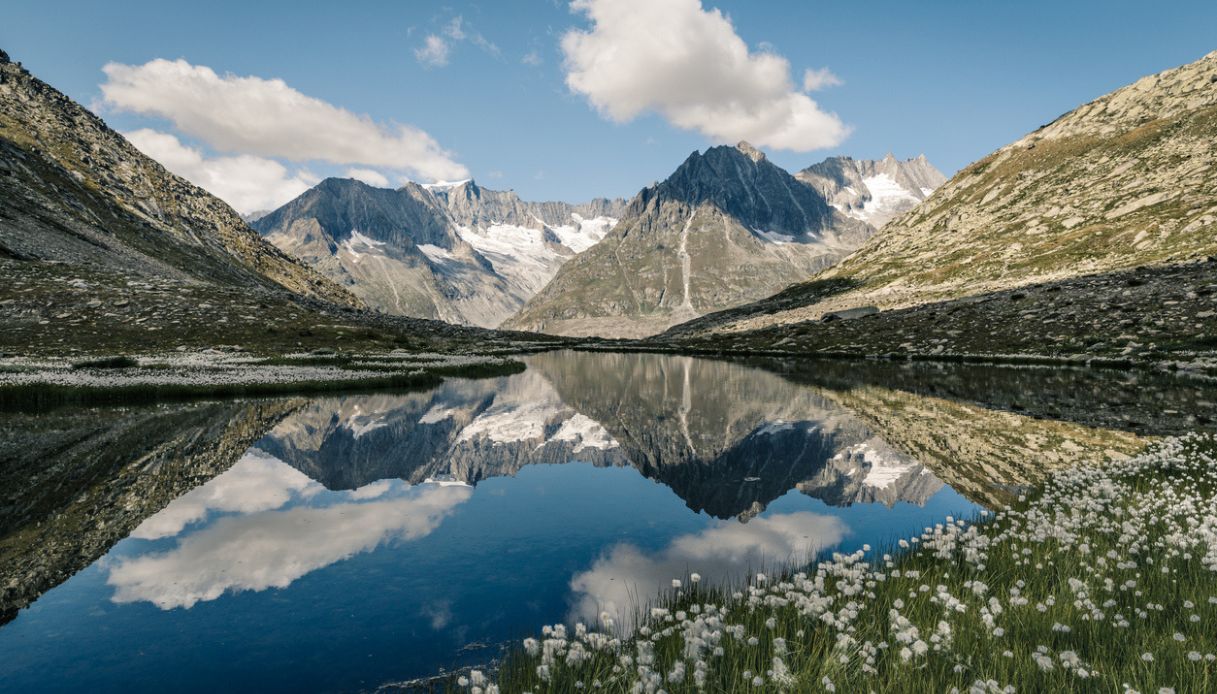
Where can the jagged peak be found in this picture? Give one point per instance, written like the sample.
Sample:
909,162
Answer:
749,151
4,57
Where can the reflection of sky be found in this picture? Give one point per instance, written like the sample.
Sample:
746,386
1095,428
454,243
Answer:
291,586
268,546
264,579
726,550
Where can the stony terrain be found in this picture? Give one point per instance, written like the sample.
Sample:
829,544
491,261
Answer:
727,227
455,252
1124,181
1143,315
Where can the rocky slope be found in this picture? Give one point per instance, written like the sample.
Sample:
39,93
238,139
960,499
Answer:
875,191
102,249
76,192
727,227
455,252
1126,180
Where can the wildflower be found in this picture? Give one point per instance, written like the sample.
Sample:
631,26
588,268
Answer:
675,582
694,578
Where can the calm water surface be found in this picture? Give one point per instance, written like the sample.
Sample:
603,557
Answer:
344,543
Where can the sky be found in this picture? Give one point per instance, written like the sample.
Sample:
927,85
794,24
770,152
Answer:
256,101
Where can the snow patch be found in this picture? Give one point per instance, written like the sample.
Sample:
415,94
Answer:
510,424
445,185
586,433
436,254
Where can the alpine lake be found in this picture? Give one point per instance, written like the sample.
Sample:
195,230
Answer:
370,541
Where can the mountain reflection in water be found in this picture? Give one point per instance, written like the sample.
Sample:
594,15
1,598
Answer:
359,539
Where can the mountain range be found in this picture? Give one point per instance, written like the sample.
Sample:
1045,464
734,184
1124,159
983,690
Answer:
455,251
1115,196
726,227
467,254
102,248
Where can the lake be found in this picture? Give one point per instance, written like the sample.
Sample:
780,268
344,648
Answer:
352,542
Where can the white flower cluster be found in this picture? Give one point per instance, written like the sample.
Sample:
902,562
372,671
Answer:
1109,575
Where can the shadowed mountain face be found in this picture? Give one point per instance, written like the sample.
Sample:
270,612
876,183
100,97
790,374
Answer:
727,227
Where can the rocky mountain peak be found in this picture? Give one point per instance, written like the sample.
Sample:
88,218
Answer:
741,182
749,151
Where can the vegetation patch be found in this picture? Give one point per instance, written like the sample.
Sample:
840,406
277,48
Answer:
1105,581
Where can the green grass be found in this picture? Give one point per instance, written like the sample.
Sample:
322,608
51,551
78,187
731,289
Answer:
1106,581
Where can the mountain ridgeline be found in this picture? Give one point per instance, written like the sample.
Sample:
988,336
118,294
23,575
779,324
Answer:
873,191
727,227
1114,196
77,193
455,252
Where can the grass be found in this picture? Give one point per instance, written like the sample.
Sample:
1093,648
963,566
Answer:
1105,581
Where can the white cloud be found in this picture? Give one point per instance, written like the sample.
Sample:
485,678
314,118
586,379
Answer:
531,58
248,183
626,575
688,64
436,50
369,176
433,52
266,117
271,549
815,80
256,482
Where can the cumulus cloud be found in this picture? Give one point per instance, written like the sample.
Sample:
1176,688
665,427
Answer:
815,80
722,553
433,52
271,549
248,183
369,176
267,118
687,64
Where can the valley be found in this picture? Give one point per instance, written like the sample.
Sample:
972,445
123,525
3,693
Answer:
336,416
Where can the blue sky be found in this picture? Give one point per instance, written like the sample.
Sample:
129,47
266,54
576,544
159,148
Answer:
953,80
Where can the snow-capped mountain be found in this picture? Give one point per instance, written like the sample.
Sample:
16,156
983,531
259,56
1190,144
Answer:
727,227
873,191
449,250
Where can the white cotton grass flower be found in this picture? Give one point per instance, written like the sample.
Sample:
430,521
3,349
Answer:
869,615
